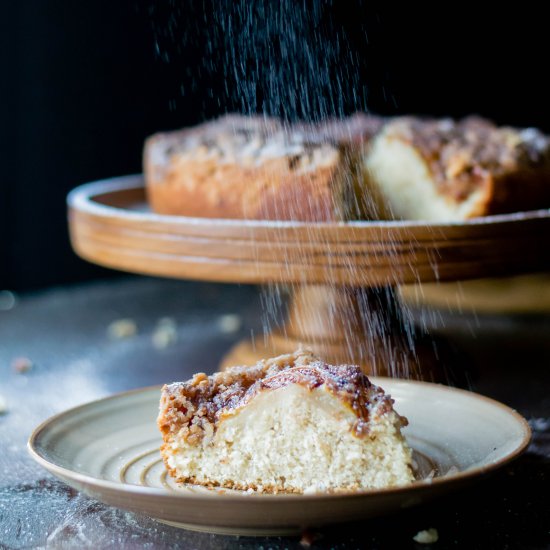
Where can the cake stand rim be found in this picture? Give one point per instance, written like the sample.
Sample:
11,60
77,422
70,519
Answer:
81,198
382,253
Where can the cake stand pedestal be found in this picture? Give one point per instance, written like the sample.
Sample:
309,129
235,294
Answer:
345,324
342,276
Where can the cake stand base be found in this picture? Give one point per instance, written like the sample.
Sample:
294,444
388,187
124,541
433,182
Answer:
355,317
365,326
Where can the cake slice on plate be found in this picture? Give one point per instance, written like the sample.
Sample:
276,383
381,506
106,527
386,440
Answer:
288,424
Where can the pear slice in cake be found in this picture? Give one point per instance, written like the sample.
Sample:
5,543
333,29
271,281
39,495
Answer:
446,170
289,424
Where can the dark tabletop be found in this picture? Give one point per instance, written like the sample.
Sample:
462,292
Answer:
64,333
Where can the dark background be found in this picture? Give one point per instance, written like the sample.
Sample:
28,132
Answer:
83,83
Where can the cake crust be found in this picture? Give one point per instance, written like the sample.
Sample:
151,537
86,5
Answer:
257,168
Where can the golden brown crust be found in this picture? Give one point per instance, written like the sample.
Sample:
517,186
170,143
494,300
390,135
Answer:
256,168
267,489
271,191
509,168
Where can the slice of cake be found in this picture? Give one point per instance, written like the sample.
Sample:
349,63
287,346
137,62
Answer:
442,170
288,424
257,168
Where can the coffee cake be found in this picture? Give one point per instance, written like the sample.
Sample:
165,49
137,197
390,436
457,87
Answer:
289,424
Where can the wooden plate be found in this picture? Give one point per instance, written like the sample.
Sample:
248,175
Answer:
109,450
111,225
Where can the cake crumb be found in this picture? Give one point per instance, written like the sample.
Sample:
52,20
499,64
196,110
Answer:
8,300
428,536
21,365
165,333
122,329
540,424
3,405
229,323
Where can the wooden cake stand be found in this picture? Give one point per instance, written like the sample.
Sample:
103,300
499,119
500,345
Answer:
342,276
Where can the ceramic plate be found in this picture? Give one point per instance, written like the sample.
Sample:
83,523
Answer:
109,450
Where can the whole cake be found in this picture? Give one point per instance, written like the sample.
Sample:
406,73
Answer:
258,168
362,167
443,170
289,424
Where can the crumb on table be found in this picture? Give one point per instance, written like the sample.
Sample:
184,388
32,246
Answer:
8,300
229,323
21,365
121,329
3,405
428,536
165,333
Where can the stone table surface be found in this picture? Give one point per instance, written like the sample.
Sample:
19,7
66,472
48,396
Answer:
64,333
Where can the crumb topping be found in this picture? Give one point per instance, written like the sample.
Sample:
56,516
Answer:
464,153
246,140
357,128
195,407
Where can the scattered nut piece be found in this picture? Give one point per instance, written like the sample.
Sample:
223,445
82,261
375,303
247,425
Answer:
428,536
21,365
3,405
230,323
121,329
165,333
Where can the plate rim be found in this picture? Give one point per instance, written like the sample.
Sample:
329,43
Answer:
461,476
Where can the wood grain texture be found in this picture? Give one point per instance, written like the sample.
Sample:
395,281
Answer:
111,225
519,295
336,269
